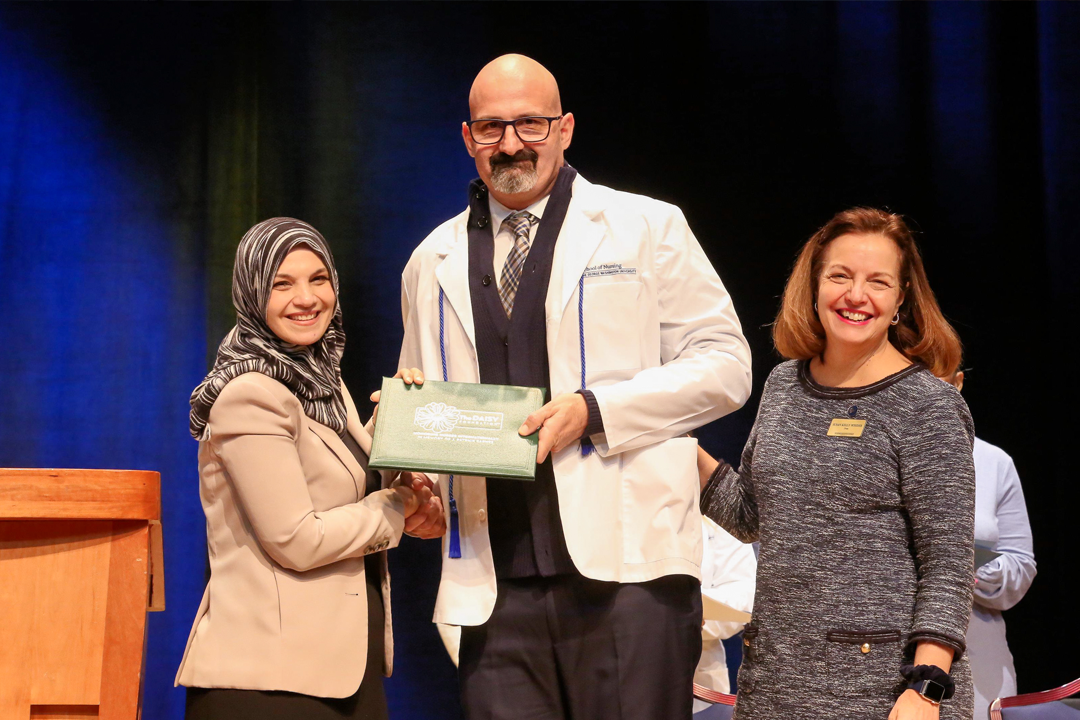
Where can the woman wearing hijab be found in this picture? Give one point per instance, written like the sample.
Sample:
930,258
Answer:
858,481
295,620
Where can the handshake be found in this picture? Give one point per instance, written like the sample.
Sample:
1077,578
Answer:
424,517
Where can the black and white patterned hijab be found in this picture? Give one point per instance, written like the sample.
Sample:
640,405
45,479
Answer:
311,372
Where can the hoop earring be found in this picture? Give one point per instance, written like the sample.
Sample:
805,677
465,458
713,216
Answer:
896,319
815,306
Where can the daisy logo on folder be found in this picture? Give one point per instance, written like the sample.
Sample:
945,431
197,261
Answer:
437,417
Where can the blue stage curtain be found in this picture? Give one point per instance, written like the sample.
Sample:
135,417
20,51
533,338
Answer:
104,330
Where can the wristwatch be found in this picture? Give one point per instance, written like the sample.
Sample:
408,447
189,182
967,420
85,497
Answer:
930,681
932,691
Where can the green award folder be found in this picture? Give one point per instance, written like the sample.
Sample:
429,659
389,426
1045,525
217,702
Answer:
455,429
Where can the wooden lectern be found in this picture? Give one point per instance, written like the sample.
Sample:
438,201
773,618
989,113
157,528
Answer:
80,565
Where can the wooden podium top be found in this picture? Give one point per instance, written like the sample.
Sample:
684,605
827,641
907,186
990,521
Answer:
40,493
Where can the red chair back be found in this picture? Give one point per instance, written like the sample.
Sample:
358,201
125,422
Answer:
722,708
999,709
717,698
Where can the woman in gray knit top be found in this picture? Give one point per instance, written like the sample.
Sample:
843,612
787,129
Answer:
858,481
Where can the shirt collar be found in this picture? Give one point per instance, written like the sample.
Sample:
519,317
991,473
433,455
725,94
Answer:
500,211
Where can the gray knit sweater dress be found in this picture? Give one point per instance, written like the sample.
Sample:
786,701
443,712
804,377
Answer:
867,543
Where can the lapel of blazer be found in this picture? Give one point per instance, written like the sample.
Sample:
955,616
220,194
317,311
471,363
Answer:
453,276
353,424
337,446
581,234
359,432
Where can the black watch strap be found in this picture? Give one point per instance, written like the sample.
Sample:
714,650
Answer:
930,681
932,691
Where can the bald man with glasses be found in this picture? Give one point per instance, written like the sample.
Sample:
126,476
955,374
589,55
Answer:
578,594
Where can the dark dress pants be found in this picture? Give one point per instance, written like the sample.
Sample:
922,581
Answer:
367,703
571,648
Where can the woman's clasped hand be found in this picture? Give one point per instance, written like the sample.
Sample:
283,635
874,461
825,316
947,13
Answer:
424,517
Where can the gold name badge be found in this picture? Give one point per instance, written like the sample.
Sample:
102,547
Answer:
844,427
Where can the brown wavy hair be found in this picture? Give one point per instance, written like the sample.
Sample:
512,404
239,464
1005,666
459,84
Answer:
922,334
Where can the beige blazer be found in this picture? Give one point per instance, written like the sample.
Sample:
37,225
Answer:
288,527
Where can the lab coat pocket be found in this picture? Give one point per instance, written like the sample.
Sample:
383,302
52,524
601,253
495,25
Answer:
611,317
659,502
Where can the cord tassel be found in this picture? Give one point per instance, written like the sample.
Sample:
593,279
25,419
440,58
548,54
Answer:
586,442
454,549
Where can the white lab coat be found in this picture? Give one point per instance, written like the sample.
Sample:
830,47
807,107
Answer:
664,354
1001,523
729,576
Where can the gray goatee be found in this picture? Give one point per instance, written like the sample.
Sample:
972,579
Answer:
510,176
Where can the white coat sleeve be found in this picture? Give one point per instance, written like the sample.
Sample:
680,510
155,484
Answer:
728,576
1003,581
705,360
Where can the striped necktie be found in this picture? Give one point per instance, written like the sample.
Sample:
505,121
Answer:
519,224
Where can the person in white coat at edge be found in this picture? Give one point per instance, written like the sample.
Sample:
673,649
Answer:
728,573
577,594
1001,524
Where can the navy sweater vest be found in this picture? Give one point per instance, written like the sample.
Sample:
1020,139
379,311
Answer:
523,517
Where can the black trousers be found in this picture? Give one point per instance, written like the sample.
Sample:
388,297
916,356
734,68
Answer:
570,648
367,703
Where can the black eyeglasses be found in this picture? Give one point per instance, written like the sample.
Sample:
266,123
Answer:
532,129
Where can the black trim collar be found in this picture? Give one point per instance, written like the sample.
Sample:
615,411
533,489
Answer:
850,393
